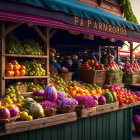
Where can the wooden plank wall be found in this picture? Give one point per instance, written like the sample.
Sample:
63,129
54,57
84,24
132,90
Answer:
115,125
111,6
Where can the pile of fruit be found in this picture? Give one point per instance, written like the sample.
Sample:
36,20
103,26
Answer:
34,69
91,65
124,96
13,68
28,46
128,68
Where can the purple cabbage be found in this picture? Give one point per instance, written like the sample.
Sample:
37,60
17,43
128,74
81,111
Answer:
136,119
38,93
86,101
50,93
66,102
48,104
61,95
101,100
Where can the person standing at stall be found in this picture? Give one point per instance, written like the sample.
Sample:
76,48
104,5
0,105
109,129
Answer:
75,67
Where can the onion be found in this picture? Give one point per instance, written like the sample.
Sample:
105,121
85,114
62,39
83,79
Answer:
4,113
14,112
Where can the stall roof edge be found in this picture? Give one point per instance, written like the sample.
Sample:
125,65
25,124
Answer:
76,8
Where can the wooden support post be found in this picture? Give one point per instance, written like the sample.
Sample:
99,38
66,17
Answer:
47,50
100,47
131,53
117,51
2,59
52,33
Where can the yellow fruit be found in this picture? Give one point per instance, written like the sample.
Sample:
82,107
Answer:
29,118
14,99
10,106
21,97
6,101
7,96
23,115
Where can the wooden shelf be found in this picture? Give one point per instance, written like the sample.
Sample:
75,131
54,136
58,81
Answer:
25,77
25,56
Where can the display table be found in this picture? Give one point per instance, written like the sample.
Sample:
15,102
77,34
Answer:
112,125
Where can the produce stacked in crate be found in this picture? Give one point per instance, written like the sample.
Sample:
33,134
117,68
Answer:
114,74
131,73
92,72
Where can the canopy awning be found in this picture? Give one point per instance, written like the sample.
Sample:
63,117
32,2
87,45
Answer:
69,15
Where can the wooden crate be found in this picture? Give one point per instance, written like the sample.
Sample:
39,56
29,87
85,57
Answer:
66,76
21,126
130,78
93,76
110,78
83,113
22,88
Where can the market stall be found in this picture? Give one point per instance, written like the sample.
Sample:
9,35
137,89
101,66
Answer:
76,118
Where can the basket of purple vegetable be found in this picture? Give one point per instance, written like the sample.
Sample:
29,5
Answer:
65,104
38,96
49,108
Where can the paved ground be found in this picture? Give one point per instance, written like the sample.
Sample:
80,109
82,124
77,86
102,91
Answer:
134,134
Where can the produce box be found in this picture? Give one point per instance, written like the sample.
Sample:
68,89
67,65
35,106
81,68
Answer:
22,88
93,76
66,76
130,78
114,77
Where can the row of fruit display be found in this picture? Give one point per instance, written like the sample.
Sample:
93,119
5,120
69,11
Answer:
60,95
28,68
26,47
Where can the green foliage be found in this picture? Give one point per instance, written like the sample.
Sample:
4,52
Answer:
128,12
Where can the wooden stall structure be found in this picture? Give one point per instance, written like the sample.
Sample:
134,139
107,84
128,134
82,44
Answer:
109,122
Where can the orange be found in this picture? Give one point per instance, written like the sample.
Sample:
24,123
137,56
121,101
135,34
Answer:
16,73
14,62
9,73
9,67
19,67
15,67
22,72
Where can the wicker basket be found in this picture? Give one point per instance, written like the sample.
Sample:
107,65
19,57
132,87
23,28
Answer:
50,111
22,88
10,120
93,76
130,78
66,110
110,79
137,128
66,76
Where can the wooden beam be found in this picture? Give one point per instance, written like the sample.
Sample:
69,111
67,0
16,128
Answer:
52,33
136,47
2,59
131,53
40,33
117,50
47,51
11,27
